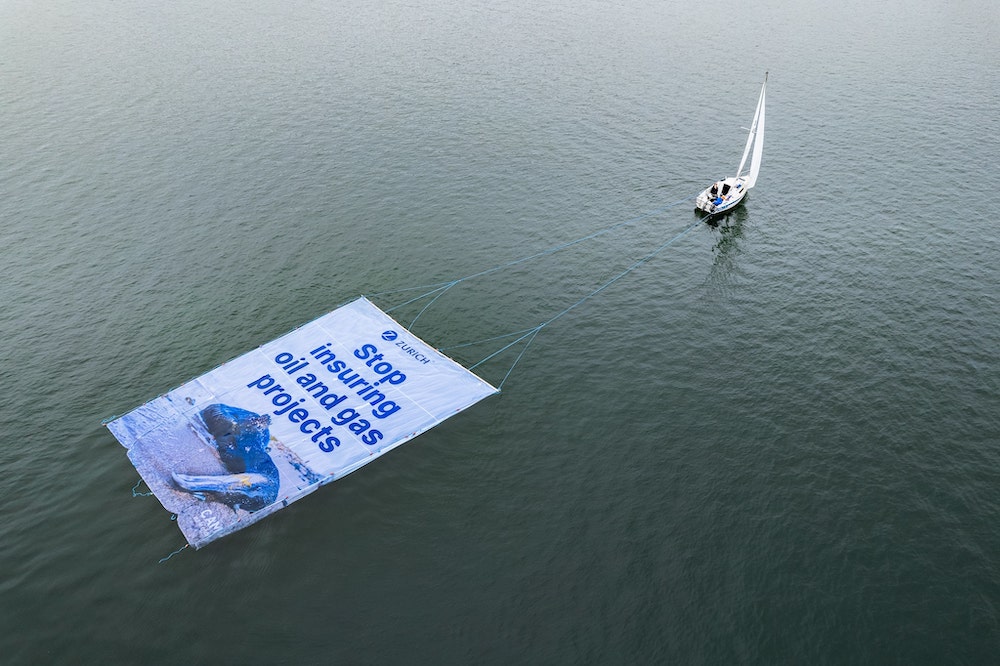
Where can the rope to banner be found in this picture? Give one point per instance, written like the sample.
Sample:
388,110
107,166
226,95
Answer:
625,272
530,336
440,288
530,333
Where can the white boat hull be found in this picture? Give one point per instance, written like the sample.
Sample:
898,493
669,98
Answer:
727,194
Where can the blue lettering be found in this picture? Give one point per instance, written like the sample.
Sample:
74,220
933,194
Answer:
365,351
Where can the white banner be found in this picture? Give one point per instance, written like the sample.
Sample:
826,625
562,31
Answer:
256,433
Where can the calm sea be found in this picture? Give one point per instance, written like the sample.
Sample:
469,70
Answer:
778,441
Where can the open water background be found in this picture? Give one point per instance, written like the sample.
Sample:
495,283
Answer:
777,442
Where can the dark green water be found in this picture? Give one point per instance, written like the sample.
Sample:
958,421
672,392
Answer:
778,442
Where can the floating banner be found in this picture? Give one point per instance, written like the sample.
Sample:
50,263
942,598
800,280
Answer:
247,438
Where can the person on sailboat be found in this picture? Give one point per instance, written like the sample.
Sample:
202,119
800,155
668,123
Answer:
716,199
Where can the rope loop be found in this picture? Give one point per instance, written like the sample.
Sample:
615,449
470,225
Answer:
138,494
164,559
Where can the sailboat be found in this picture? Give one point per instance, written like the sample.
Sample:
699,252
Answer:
726,194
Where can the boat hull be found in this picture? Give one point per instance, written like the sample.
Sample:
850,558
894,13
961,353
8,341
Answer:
728,194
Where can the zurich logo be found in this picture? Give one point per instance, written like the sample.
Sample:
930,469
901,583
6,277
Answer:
389,336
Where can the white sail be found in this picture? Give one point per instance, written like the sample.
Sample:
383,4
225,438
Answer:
758,143
755,139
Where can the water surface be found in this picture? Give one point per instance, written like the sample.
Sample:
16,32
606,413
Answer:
774,442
